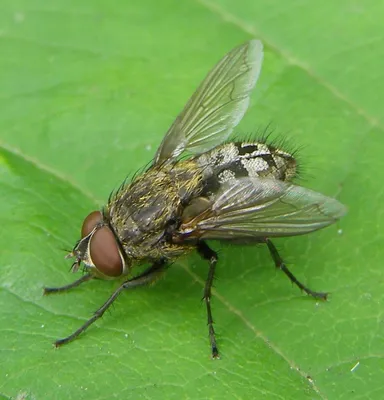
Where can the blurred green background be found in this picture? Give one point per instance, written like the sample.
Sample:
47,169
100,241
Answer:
87,90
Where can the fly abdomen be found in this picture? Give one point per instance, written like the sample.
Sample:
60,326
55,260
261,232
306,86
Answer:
245,159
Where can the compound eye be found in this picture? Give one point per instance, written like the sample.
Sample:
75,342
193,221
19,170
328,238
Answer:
105,253
90,222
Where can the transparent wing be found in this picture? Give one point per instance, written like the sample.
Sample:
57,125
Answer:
217,106
249,208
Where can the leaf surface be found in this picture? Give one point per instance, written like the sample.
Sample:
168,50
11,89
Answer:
87,91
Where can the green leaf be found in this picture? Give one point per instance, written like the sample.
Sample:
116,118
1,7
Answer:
87,91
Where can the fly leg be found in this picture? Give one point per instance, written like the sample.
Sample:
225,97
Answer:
84,278
281,265
147,277
208,254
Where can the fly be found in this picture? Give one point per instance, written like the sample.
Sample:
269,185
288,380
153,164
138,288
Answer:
229,191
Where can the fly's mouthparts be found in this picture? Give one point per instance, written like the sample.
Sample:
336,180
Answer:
75,266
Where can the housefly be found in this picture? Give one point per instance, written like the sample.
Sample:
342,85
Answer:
229,191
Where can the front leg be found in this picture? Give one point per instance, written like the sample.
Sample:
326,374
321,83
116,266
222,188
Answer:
147,277
84,278
208,254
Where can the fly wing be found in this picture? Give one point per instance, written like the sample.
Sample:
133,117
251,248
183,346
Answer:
253,208
217,106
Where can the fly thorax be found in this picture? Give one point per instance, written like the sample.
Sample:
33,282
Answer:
130,231
141,214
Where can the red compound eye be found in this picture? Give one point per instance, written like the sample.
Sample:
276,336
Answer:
90,222
105,253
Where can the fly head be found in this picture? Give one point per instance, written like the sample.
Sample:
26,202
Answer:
99,249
